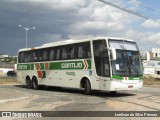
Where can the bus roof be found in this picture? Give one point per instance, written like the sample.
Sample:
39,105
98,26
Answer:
72,41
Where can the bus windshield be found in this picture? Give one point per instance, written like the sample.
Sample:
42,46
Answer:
128,63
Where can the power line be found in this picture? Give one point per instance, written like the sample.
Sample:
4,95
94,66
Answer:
150,8
154,19
143,6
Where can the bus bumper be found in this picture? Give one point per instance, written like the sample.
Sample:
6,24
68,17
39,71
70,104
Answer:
116,85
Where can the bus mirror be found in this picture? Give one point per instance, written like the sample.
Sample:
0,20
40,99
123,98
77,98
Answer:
113,53
148,56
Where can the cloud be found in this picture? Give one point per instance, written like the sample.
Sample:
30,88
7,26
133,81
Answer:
50,37
145,40
98,18
155,37
150,24
64,19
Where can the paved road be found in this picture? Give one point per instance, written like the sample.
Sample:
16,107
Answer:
19,98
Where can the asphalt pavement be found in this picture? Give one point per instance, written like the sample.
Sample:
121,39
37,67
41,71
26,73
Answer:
7,95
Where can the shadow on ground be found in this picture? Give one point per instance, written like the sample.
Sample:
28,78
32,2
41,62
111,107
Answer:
81,91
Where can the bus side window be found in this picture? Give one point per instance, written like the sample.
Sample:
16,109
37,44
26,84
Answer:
72,52
64,52
27,57
36,57
87,50
33,54
84,50
40,55
44,55
80,52
21,57
52,54
58,54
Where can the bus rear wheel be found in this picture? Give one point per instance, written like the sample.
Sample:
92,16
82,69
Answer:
87,87
35,83
29,83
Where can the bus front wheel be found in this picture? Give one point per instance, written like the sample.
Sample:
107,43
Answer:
87,87
113,92
35,83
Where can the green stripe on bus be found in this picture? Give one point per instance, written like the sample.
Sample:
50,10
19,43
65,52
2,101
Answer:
78,65
71,65
117,77
32,66
42,66
23,67
129,78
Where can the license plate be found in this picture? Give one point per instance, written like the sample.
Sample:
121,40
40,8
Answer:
130,86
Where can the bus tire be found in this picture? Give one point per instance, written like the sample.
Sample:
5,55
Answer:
87,87
29,83
113,92
35,83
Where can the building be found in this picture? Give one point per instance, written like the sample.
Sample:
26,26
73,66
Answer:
156,52
8,59
153,65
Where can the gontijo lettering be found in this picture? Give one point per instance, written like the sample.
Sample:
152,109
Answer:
71,65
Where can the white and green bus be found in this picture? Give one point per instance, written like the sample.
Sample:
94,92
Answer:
101,63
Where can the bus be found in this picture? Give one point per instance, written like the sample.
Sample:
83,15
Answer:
100,63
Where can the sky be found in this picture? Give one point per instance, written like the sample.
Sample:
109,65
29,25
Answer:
57,20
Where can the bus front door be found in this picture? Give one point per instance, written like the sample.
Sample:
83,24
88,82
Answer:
104,71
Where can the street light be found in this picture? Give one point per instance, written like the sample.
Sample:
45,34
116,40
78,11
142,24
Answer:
27,29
